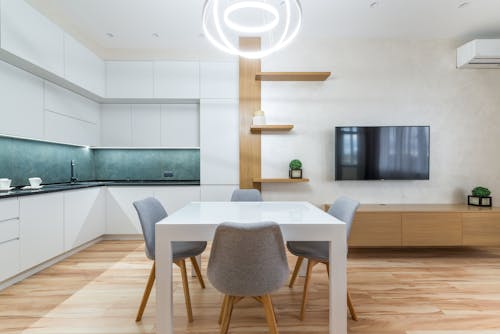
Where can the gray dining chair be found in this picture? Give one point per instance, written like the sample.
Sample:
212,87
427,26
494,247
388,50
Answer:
316,252
246,195
150,212
247,260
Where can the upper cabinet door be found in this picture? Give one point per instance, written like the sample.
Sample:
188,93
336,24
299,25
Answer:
176,79
28,34
129,79
83,67
219,80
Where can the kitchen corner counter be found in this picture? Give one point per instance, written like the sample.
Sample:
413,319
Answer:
50,188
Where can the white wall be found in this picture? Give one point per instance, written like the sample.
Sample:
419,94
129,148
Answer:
382,82
33,108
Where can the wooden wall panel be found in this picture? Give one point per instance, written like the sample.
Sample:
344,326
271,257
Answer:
250,101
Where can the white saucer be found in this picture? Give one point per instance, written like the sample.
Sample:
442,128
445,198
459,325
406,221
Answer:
7,189
32,188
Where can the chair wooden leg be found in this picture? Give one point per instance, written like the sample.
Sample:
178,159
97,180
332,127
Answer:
226,318
198,272
295,271
310,265
270,316
351,307
147,292
327,268
187,297
223,308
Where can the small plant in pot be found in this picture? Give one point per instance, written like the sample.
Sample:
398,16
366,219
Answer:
295,169
480,197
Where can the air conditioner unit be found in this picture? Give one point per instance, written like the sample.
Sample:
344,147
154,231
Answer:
479,53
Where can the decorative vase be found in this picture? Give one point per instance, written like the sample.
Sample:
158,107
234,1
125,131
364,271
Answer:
479,201
295,173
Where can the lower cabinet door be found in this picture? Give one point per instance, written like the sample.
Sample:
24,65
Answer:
41,228
432,229
84,216
175,197
9,259
120,212
481,229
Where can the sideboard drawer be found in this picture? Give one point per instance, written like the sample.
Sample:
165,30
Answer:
376,230
481,229
432,229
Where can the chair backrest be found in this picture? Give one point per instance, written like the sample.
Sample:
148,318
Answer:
344,209
248,259
150,212
246,195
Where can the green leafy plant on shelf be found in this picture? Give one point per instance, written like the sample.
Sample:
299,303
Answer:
481,192
295,164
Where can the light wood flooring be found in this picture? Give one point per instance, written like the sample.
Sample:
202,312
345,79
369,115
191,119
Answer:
437,291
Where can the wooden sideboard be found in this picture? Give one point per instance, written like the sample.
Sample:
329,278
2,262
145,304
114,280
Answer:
424,225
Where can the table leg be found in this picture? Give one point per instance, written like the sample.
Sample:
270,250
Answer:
338,284
164,300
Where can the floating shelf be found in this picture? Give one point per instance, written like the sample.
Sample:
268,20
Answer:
271,127
261,180
292,76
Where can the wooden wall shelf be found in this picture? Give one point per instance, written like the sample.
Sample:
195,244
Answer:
271,127
292,76
277,180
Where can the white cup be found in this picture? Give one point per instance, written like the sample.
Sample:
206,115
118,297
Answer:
35,182
5,183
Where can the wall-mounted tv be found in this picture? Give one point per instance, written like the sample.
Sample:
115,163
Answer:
382,153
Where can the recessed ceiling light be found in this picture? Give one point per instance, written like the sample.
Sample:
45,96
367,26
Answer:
373,4
156,35
463,4
110,35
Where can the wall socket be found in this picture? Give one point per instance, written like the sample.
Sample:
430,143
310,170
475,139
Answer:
168,173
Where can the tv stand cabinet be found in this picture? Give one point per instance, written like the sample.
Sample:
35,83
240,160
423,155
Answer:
425,225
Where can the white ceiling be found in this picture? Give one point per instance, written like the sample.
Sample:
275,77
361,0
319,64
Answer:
178,23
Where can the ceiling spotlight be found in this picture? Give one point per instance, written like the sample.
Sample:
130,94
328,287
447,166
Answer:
155,35
110,35
373,4
463,4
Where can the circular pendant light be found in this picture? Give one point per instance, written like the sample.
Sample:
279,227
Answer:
275,22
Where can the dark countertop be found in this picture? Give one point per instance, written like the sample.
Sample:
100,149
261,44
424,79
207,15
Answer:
50,188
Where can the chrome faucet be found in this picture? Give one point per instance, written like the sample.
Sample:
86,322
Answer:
73,177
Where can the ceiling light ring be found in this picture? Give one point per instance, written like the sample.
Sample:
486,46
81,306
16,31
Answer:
228,47
251,29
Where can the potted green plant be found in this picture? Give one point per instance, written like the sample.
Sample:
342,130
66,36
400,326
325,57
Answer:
295,171
480,197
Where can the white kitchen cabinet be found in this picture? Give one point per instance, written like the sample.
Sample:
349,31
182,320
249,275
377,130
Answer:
121,217
41,228
9,209
180,125
175,197
84,216
9,259
83,67
177,79
64,129
116,125
28,34
146,125
65,102
129,79
219,142
21,103
217,193
219,80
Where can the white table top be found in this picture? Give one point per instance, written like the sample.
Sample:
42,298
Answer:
200,213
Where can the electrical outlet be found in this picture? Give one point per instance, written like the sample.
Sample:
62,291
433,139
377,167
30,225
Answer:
168,173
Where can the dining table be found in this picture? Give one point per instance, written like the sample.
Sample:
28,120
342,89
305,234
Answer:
299,221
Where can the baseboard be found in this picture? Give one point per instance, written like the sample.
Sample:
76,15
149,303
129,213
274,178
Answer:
25,274
123,237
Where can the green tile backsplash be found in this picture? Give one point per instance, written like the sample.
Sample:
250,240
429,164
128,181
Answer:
22,158
147,164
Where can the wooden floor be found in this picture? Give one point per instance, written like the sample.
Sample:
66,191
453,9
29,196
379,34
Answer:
406,291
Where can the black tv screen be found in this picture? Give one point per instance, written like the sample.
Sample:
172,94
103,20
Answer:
382,153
